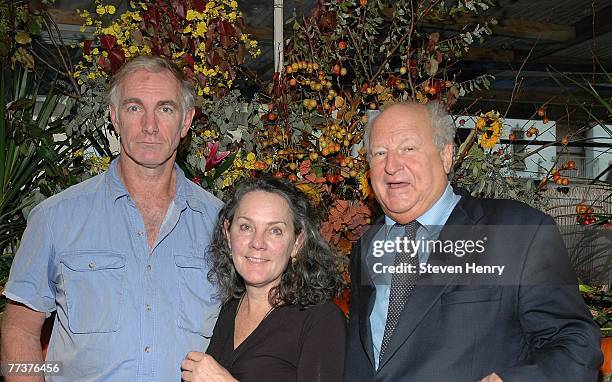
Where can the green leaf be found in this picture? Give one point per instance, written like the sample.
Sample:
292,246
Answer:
34,26
227,162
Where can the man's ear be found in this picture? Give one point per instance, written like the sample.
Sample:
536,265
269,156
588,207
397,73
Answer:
447,158
114,117
187,122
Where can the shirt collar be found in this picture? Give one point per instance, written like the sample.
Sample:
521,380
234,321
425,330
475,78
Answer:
437,214
118,189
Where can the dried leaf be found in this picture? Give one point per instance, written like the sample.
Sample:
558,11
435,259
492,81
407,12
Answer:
305,167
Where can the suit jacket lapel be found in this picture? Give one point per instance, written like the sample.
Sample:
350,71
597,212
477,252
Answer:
430,287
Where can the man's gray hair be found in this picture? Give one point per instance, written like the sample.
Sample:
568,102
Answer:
439,120
152,64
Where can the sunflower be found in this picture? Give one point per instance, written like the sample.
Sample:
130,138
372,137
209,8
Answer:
490,136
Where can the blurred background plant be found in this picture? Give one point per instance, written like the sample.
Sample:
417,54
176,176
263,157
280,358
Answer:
37,160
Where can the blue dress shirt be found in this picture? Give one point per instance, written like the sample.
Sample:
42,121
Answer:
124,312
431,222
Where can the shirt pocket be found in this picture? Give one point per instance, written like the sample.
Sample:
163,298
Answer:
196,303
93,284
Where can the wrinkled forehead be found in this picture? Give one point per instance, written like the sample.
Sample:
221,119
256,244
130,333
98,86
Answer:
404,120
145,80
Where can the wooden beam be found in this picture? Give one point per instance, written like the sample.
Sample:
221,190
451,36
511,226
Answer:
527,102
260,33
589,28
543,31
483,54
65,16
528,110
531,96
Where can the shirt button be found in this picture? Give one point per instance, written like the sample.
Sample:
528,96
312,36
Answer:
92,265
147,349
148,306
140,233
148,268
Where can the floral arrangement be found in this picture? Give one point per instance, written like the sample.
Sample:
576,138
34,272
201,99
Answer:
307,125
209,45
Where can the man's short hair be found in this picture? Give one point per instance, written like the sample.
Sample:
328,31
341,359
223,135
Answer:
153,64
439,120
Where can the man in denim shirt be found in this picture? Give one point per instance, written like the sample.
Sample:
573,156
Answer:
120,257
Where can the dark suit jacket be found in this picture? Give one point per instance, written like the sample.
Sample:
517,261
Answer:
529,325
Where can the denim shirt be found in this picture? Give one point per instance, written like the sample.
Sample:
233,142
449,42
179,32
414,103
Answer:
124,313
431,223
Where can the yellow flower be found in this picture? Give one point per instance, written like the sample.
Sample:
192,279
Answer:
100,9
95,164
229,177
209,134
233,4
23,38
490,137
249,162
187,29
481,123
201,29
110,9
364,185
192,15
310,191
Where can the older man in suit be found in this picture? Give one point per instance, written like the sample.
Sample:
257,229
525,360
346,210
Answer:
487,293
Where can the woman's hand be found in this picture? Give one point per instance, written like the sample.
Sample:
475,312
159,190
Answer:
201,367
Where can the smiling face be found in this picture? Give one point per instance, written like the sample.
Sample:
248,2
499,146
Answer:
149,118
408,172
262,238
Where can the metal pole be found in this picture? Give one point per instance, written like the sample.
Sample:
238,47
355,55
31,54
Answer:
278,35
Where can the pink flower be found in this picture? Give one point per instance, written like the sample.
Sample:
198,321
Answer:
213,156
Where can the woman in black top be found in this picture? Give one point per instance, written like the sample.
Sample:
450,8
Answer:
277,276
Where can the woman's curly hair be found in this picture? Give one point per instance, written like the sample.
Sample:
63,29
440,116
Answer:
313,278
